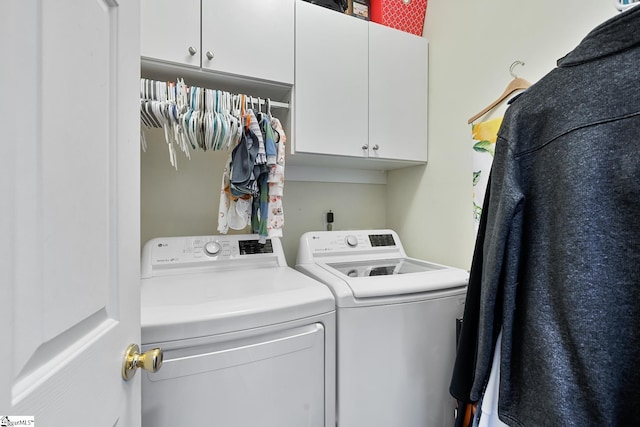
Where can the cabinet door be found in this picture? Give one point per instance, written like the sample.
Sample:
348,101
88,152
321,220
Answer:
252,38
397,94
331,86
169,29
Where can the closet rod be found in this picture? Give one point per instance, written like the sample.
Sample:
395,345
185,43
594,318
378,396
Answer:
275,104
261,101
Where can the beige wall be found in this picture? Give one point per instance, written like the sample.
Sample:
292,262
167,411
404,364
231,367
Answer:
472,43
355,206
182,202
185,202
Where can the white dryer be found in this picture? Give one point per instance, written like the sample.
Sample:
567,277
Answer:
396,327
247,340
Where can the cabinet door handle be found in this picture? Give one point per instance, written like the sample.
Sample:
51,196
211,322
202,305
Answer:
209,55
375,147
192,50
365,147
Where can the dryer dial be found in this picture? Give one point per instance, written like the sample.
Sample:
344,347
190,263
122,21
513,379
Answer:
212,248
351,240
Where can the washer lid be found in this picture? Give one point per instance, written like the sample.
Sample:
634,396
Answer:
383,267
201,304
395,276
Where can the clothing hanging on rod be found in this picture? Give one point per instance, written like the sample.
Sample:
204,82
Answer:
253,179
195,118
623,5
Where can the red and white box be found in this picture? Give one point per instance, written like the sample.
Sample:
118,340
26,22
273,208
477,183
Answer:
405,15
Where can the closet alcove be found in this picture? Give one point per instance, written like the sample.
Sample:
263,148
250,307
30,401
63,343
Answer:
183,200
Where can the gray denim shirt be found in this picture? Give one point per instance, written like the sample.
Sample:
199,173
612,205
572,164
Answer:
557,262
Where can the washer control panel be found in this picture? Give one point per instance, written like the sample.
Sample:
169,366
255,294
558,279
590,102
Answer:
198,252
321,243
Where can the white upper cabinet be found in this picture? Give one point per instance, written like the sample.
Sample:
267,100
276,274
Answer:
397,94
360,90
251,38
247,38
331,89
170,31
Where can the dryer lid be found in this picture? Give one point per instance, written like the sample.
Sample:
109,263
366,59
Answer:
202,304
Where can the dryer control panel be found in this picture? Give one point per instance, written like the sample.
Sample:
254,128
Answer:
171,255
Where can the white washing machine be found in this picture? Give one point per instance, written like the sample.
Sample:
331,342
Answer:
396,327
247,340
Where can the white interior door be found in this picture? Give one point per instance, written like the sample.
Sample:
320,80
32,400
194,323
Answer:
69,260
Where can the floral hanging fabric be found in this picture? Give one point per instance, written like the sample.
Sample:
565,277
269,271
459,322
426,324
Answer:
484,136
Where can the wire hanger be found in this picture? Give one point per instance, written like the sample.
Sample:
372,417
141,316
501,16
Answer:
516,84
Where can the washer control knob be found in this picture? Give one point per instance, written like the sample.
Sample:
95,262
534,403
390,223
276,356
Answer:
212,248
351,240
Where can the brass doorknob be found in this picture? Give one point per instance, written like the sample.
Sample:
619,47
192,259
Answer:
150,360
